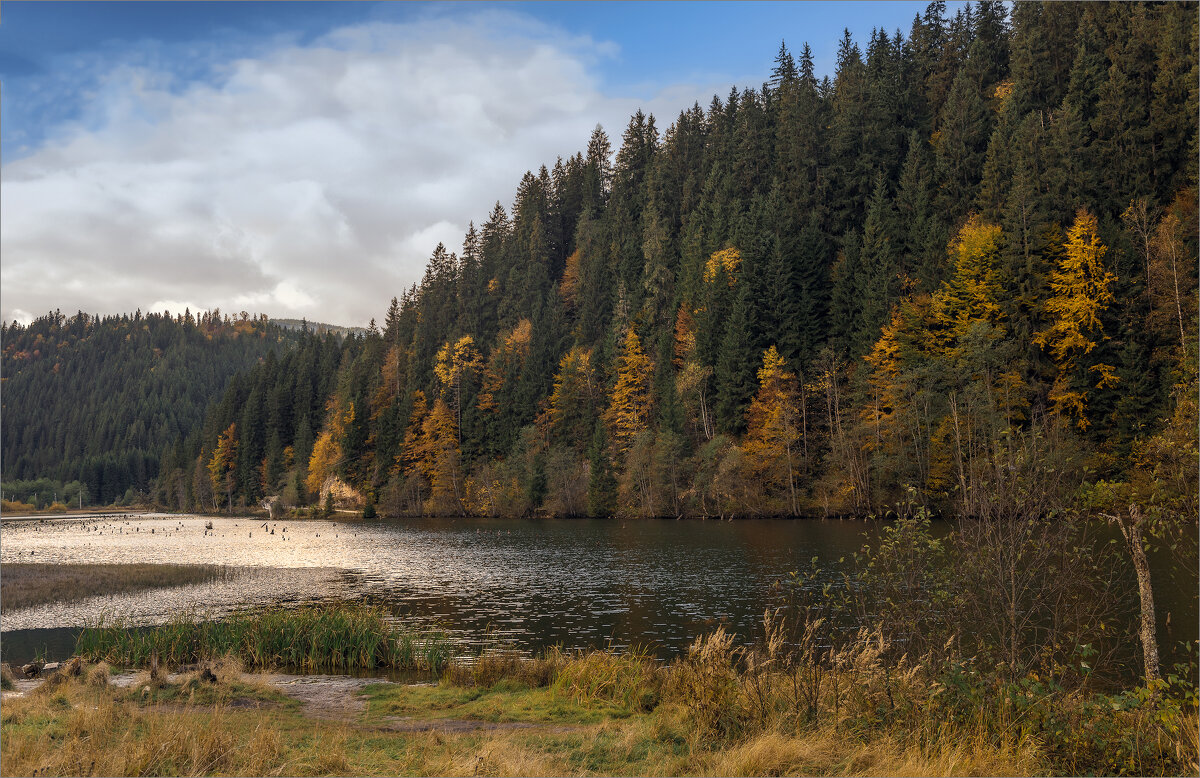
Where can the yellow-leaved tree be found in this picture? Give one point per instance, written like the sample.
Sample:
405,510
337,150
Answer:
972,294
325,456
1079,294
629,411
773,427
570,415
440,461
224,462
454,363
505,363
409,460
692,381
724,262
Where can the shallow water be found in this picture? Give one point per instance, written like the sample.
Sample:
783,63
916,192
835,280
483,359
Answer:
526,582
531,583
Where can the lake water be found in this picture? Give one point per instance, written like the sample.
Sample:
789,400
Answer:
526,582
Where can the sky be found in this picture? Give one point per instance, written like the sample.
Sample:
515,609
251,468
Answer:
304,159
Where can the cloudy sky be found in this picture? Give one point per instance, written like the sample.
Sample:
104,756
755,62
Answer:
305,159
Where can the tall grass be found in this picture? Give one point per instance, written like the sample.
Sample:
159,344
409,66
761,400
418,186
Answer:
311,639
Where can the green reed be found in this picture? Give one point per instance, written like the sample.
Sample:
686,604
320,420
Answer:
312,638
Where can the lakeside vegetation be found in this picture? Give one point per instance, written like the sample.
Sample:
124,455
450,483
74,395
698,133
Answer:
28,583
309,639
957,278
788,704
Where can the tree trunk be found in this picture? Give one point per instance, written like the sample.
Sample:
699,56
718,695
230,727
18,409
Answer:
1133,536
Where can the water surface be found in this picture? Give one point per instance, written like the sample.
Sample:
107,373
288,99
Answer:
532,583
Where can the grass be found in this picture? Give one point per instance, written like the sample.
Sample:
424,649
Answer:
311,639
720,710
28,584
192,728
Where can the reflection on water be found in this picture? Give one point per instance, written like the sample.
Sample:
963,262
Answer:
532,583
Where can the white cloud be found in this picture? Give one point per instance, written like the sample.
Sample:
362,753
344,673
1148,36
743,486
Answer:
18,315
314,181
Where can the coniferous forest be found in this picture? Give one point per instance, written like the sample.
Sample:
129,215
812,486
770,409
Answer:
89,403
960,272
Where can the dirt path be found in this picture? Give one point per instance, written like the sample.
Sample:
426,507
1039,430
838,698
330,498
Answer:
325,697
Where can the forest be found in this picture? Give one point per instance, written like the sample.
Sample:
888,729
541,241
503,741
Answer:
960,273
89,403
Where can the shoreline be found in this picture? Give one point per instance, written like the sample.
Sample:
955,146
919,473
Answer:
97,514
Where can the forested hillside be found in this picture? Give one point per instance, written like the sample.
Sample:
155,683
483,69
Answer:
961,270
95,400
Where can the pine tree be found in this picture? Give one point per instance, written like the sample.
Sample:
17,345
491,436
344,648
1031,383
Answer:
734,366
602,484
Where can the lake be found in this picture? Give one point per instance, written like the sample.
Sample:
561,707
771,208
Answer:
530,583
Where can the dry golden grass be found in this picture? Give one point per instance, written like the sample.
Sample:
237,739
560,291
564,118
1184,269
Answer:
583,721
94,734
826,752
6,676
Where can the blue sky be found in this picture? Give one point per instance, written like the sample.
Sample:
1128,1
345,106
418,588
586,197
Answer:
171,135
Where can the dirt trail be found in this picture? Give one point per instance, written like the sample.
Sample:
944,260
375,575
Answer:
325,697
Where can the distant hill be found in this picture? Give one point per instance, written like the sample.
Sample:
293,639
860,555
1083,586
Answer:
97,399
320,328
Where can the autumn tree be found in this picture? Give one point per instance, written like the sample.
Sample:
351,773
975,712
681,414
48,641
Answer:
693,380
454,364
223,464
1079,295
440,461
572,404
629,409
325,456
411,458
773,427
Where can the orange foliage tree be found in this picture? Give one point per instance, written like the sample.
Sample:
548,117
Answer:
629,411
773,426
223,463
1080,293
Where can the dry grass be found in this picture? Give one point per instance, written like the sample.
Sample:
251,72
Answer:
594,713
28,584
84,729
828,752
97,675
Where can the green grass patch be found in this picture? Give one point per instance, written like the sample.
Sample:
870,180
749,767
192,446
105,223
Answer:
505,701
312,639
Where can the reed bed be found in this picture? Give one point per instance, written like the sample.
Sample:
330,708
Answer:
338,638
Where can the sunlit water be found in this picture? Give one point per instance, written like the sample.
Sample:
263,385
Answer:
528,583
